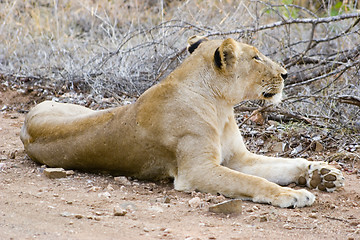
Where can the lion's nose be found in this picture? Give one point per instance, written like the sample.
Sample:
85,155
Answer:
284,75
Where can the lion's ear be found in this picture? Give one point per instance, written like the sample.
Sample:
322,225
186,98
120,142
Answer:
194,42
225,55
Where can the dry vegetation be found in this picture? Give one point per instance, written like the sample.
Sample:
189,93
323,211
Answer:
101,53
117,49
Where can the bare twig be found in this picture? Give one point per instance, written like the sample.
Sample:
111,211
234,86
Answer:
288,22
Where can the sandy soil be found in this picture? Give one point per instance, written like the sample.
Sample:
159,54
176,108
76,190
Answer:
81,206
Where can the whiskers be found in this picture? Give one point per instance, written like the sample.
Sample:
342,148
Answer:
272,91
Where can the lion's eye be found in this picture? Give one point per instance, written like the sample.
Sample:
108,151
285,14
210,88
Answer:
257,58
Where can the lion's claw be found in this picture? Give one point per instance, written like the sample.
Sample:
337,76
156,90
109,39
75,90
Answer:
290,198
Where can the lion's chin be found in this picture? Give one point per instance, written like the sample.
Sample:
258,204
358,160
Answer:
273,97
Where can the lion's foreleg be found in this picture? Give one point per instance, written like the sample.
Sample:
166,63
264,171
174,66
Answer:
284,171
199,169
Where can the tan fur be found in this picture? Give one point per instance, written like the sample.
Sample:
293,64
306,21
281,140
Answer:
183,128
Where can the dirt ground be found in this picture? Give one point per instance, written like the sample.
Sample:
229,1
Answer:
81,206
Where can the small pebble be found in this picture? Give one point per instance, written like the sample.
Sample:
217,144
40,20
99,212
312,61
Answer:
104,194
12,155
78,216
55,172
287,226
166,199
118,211
65,214
122,181
195,202
70,172
263,219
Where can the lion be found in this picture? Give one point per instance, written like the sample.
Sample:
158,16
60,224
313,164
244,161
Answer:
183,128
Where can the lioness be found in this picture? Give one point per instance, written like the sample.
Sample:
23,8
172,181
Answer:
183,128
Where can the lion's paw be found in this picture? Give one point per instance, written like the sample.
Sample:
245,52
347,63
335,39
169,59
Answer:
290,198
323,177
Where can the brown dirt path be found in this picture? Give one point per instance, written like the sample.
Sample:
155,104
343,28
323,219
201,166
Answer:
81,206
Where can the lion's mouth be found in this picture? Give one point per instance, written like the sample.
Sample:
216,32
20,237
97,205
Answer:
268,95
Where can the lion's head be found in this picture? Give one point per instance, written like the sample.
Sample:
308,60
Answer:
251,74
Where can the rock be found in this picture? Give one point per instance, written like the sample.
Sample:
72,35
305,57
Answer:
195,202
70,173
65,214
99,213
130,207
257,118
122,181
94,189
166,199
110,187
227,207
55,172
118,211
278,147
273,123
318,147
2,166
156,209
104,194
78,216
12,155
263,219
287,226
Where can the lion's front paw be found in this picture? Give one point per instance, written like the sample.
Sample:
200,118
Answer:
294,198
322,176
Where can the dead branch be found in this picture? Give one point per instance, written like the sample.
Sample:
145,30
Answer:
287,22
349,100
269,108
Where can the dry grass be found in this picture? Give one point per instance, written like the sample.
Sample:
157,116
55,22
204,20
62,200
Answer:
118,47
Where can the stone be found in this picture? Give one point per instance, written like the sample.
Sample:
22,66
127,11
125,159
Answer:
104,194
118,211
156,209
2,166
278,147
70,173
110,187
55,172
65,214
227,207
288,226
195,202
78,216
122,181
318,147
263,219
166,199
12,155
